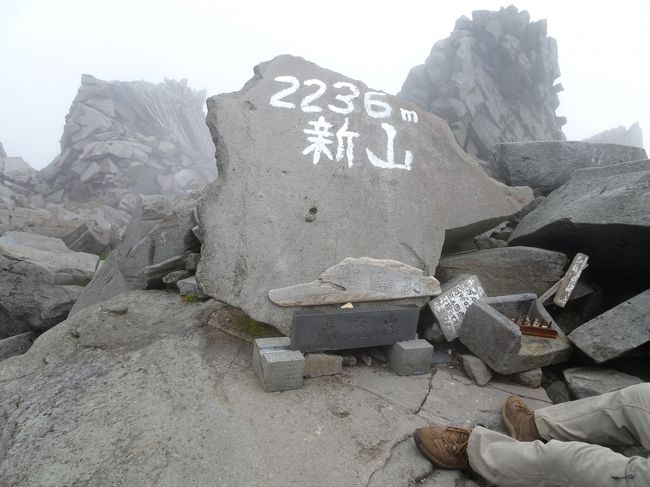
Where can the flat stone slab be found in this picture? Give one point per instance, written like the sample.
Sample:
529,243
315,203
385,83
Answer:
591,381
317,331
489,332
450,307
617,331
315,167
358,280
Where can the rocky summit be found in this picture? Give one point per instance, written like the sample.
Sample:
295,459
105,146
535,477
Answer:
316,167
492,80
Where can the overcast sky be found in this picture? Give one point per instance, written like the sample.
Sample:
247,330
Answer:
45,46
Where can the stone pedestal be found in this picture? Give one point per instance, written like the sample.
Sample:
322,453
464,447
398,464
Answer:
277,367
410,357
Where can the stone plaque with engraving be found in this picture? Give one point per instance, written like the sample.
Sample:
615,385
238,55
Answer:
317,331
450,307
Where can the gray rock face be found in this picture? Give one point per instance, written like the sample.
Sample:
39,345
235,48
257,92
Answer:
603,212
131,137
86,403
620,135
154,244
589,381
545,166
489,332
492,80
617,331
16,345
387,186
530,378
507,270
40,279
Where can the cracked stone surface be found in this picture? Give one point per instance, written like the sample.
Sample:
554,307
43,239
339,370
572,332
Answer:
157,395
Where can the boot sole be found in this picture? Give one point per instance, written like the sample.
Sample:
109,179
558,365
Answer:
433,460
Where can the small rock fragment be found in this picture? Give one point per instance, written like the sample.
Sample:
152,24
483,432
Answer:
476,370
320,364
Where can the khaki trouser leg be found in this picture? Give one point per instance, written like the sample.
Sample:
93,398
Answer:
618,418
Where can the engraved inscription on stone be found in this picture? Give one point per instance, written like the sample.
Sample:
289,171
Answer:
356,280
315,331
570,279
450,307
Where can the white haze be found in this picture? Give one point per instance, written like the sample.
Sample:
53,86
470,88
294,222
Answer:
46,45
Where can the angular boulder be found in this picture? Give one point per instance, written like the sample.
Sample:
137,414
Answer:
620,135
545,166
617,331
507,270
40,279
316,167
603,212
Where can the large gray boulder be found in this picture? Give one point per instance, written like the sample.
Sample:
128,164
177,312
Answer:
507,270
620,135
306,181
145,389
617,331
492,80
156,235
545,166
603,212
40,279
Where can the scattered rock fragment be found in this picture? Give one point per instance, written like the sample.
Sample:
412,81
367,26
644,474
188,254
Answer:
476,369
320,364
529,378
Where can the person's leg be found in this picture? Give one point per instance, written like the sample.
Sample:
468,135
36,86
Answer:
618,418
505,461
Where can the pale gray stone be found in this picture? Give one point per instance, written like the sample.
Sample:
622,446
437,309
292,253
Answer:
545,166
617,331
558,392
530,378
188,287
192,261
281,370
598,212
309,209
154,274
620,135
356,280
590,381
505,271
410,357
320,364
173,277
489,333
476,369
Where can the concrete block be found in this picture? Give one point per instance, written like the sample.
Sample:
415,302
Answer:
410,357
320,364
281,370
264,344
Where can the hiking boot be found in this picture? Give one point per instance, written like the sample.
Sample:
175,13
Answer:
519,420
444,447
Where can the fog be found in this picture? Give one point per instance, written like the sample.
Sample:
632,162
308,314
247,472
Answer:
45,46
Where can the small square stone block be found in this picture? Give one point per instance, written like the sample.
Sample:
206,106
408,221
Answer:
410,357
281,370
263,344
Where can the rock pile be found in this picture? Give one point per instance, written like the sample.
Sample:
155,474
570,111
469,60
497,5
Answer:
620,135
492,80
126,138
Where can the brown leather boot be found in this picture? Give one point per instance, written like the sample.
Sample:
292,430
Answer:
519,420
444,447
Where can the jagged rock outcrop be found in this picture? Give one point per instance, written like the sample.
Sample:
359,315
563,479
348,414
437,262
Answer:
492,80
620,135
123,138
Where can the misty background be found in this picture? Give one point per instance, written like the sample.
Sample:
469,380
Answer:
45,46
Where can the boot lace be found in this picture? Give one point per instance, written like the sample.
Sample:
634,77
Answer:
522,408
455,440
